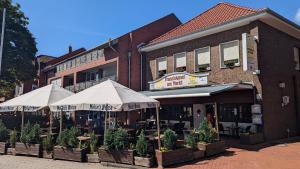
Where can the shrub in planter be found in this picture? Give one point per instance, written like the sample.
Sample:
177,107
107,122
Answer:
3,138
93,156
168,154
191,142
68,146
12,142
143,158
251,138
116,148
48,146
208,140
30,141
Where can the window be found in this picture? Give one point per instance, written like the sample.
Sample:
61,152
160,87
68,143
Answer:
94,55
161,66
73,63
243,113
297,58
69,64
83,59
78,61
57,82
202,59
230,54
180,62
88,58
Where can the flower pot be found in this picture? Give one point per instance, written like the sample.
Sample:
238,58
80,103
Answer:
116,156
11,151
93,158
28,149
47,154
174,156
198,154
212,148
143,161
251,139
70,154
3,147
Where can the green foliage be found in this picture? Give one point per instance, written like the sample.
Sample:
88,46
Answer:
19,49
93,142
207,133
13,138
4,134
31,134
120,139
169,139
68,138
109,139
141,145
48,143
191,141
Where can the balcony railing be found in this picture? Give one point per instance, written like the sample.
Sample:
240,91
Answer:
84,85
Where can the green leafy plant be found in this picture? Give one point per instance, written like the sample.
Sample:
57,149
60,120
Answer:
48,143
93,142
169,139
4,134
120,139
68,138
141,145
31,134
191,141
13,138
109,139
207,133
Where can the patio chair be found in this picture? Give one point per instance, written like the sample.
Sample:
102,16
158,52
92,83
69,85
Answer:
221,129
246,130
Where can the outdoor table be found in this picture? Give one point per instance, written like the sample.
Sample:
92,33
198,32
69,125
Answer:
83,138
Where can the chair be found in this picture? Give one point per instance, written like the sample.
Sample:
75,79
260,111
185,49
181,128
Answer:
221,129
247,129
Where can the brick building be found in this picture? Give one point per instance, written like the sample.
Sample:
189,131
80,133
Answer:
236,65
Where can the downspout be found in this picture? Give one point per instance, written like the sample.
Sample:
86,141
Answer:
129,54
141,63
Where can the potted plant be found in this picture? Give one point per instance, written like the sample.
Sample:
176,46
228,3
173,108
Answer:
12,142
4,135
115,148
170,153
93,156
142,158
191,142
208,141
30,141
48,147
251,138
68,147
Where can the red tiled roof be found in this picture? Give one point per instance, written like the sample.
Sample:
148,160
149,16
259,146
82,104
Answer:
218,14
66,56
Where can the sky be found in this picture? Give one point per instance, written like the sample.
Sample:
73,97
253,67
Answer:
56,24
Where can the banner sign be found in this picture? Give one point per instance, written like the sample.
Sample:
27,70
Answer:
178,80
249,58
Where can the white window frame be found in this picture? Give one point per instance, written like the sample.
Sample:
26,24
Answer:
174,61
297,63
196,59
156,65
220,54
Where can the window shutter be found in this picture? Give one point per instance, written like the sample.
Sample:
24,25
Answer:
203,56
230,51
180,60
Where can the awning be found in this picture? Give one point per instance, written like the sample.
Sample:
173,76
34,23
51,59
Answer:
195,92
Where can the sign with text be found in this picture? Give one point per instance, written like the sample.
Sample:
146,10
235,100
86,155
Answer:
178,80
249,58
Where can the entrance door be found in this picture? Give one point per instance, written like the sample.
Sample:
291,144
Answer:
199,112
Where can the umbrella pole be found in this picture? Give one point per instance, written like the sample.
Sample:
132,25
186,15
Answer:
104,127
158,127
60,123
109,120
51,120
22,123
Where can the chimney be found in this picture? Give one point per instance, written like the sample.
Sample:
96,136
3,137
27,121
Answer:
70,49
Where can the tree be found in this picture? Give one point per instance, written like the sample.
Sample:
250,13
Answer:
19,49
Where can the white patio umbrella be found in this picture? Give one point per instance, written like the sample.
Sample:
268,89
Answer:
35,100
107,96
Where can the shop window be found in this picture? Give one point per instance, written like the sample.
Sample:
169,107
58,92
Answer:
202,59
161,66
240,113
229,54
297,58
180,62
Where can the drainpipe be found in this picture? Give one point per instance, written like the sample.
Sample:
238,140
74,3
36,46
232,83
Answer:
141,63
129,59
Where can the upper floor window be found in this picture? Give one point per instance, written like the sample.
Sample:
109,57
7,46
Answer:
297,58
202,59
180,62
161,66
230,54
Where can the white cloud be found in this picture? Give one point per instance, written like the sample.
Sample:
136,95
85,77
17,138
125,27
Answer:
297,16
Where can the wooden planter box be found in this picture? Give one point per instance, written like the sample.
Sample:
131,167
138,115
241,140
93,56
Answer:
11,151
70,154
116,156
3,147
198,154
28,149
93,158
212,148
174,156
144,161
251,139
47,155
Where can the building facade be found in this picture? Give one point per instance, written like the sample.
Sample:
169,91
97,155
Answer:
236,65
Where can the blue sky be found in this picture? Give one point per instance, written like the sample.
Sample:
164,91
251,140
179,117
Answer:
56,24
